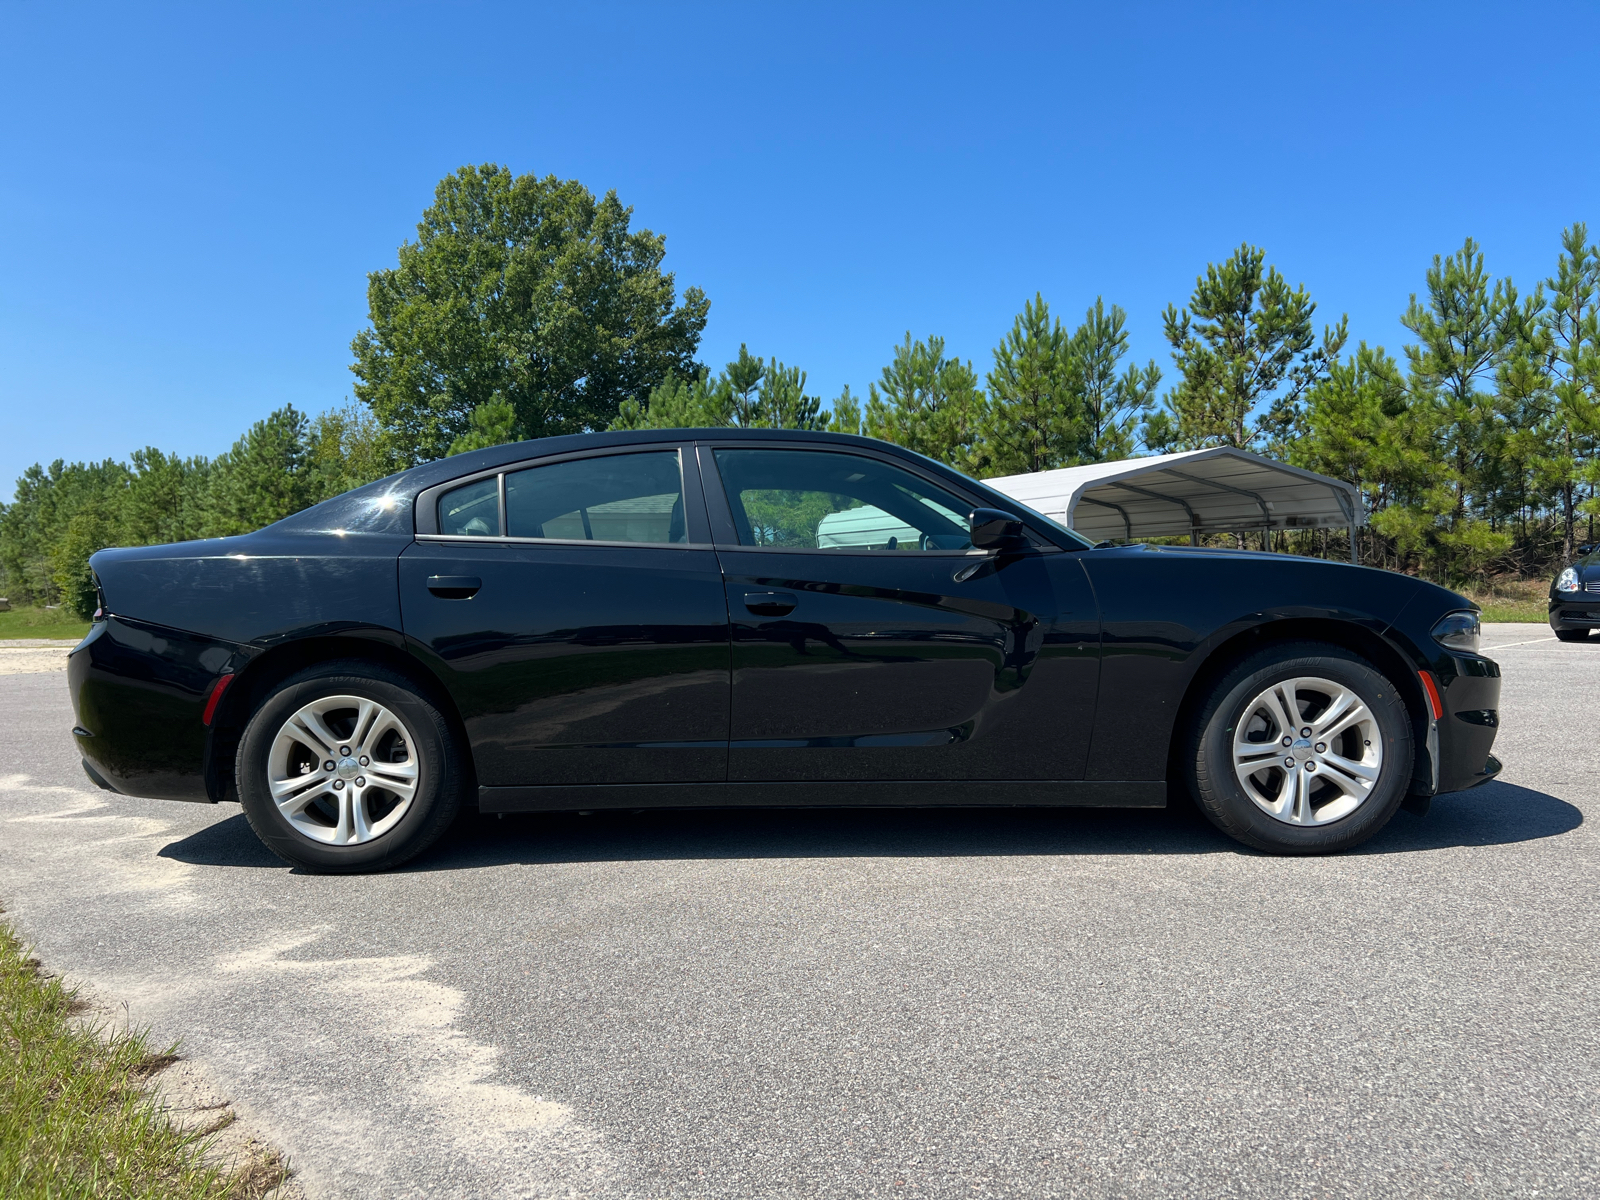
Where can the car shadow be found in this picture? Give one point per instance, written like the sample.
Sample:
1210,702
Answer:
1496,814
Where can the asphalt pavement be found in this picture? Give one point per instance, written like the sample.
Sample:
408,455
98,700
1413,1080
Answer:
1023,1003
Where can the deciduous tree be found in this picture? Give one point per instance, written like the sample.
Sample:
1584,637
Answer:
520,291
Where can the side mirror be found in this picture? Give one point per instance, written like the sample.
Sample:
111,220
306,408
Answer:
992,529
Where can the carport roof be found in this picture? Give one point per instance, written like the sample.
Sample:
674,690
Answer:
1220,490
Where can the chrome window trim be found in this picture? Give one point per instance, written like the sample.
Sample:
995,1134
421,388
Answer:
841,551
711,474
428,499
486,540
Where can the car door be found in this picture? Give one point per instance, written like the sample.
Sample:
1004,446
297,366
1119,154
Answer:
574,609
870,642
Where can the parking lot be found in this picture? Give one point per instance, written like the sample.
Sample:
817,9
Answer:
828,1004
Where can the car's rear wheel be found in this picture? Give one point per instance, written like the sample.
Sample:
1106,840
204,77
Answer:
345,767
1301,748
1572,635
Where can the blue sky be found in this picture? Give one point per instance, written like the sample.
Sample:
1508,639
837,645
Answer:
191,197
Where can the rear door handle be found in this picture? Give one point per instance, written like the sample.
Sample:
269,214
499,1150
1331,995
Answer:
770,604
454,587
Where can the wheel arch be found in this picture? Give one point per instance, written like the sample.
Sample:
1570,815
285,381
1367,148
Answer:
1348,635
257,680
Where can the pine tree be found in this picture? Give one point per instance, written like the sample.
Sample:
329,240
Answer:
493,423
844,414
1571,325
1244,341
927,403
1465,330
263,478
1110,405
782,401
1035,420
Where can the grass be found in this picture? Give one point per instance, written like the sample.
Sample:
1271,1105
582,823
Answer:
76,1116
32,622
1514,600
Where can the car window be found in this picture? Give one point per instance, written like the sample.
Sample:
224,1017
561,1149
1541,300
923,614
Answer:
612,498
828,500
472,510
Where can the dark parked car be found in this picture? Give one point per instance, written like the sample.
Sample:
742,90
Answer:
1575,597
740,617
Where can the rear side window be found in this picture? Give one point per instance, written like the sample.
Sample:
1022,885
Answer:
611,498
473,510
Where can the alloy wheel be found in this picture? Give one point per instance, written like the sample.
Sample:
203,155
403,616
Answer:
1307,751
343,770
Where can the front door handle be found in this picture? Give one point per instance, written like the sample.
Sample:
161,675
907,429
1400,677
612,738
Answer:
770,604
454,587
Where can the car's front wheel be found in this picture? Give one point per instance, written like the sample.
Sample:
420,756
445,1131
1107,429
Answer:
345,767
1572,635
1301,748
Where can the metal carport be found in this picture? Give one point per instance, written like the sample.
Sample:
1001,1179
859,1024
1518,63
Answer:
1220,490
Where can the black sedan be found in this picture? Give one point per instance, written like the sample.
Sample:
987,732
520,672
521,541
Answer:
1575,597
753,617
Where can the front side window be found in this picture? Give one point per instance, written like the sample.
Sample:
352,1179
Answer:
611,498
826,500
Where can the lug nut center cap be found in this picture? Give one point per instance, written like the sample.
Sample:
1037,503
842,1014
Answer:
348,768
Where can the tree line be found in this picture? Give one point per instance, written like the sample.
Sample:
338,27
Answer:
526,307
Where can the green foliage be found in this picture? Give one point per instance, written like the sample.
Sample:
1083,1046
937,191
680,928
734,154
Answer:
30,621
1031,421
1110,405
520,291
491,424
75,1116
1474,461
749,393
929,403
844,414
1568,454
263,478
61,515
1245,340
348,448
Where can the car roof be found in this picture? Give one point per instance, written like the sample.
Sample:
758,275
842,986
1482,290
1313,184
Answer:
428,474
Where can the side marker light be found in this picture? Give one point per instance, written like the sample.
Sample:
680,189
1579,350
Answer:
217,689
1431,688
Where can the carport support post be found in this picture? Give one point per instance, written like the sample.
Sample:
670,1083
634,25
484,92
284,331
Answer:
1355,551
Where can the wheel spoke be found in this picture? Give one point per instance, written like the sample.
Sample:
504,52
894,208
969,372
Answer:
1355,715
1365,772
365,715
399,778
1247,770
318,736
1274,702
1337,707
292,804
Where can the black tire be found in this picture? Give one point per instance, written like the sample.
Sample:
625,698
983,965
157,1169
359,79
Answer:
428,742
1572,635
1210,758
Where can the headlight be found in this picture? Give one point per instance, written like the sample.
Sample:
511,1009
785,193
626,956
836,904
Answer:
1567,581
1459,631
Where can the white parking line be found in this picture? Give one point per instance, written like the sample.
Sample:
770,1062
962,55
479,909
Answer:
1529,642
